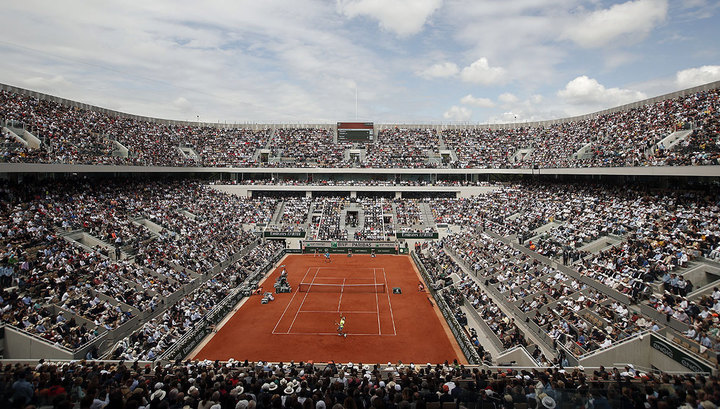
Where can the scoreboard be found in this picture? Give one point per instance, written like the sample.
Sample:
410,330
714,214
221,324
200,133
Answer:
355,131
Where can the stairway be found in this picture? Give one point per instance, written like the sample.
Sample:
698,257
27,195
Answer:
427,214
278,213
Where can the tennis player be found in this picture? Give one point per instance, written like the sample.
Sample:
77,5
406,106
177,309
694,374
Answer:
341,327
327,257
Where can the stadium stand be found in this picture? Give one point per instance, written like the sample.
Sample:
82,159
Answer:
563,275
624,137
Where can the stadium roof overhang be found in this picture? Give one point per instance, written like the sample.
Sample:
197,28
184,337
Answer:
662,171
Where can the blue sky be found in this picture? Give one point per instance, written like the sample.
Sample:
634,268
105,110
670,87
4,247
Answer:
421,61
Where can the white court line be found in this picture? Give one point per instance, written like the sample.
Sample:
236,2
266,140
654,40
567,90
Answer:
344,312
302,302
342,290
377,302
334,334
290,302
387,290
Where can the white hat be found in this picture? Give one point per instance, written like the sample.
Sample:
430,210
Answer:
289,390
242,404
273,386
158,394
548,402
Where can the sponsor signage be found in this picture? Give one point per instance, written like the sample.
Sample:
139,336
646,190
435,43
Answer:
678,355
299,234
417,235
351,244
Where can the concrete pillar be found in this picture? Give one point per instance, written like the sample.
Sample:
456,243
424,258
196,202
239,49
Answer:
398,195
353,195
308,194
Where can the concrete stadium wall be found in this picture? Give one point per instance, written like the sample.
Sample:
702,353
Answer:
662,171
20,345
518,355
638,352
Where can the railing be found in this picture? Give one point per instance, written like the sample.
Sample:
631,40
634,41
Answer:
520,316
491,336
39,338
615,344
458,331
205,325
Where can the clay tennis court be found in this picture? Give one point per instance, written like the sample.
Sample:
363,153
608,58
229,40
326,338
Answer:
302,325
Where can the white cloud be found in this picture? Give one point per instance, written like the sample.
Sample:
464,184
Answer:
536,99
616,59
439,70
242,58
459,114
55,84
302,60
507,118
480,102
403,17
507,98
588,91
692,77
480,72
632,21
182,104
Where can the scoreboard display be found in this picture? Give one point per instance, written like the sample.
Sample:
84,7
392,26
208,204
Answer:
355,131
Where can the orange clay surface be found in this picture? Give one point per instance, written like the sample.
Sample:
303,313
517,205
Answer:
301,326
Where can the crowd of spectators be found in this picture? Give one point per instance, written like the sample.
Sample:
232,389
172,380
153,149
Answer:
408,214
307,147
156,335
630,137
403,148
379,220
352,182
326,225
68,293
62,290
561,305
658,235
294,215
249,385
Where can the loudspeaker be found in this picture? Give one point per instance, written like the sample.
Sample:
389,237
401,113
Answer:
397,290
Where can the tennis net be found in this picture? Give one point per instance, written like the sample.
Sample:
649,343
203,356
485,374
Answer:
340,288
